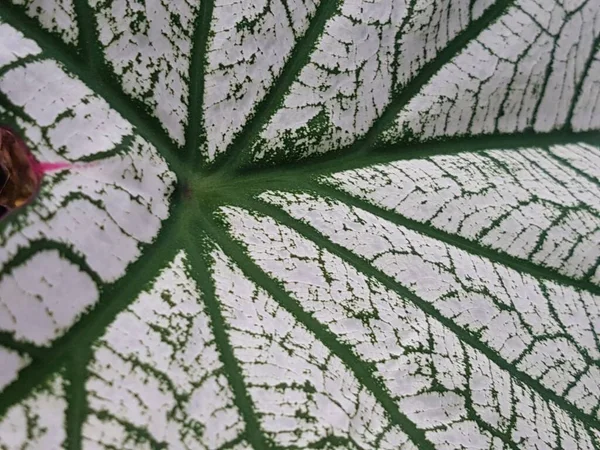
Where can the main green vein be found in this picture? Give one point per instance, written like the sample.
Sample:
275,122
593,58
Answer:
195,132
367,268
334,162
242,143
198,250
361,370
77,409
89,45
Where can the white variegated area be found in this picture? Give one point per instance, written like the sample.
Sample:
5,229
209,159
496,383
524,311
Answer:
15,46
157,369
523,202
582,157
302,393
543,329
522,72
101,212
438,382
343,88
429,28
43,296
39,421
11,363
376,299
586,115
149,47
349,79
247,50
57,16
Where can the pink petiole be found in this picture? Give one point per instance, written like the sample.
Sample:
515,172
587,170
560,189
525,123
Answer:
41,168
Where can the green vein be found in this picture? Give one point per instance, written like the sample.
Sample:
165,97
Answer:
100,81
361,370
14,64
195,133
233,443
199,249
336,442
139,434
89,45
77,409
337,162
8,341
114,298
464,335
470,246
235,156
547,73
217,187
408,18
120,149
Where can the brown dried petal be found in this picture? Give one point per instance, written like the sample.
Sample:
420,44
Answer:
19,179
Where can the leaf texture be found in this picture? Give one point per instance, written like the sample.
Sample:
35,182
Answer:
290,224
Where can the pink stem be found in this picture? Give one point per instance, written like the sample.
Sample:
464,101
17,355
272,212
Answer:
45,167
40,168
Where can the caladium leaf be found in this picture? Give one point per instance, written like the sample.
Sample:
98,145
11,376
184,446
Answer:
303,224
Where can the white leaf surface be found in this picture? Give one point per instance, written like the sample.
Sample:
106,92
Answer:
546,330
521,73
148,45
39,422
524,203
401,340
302,393
160,356
245,35
99,212
301,224
57,16
12,362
